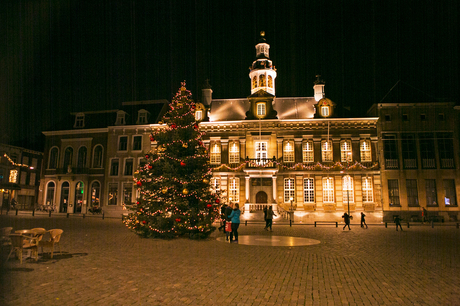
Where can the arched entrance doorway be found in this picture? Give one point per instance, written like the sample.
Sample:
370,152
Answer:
261,200
64,197
79,196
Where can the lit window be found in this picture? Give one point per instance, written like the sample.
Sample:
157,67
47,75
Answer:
261,150
215,185
367,190
288,154
13,176
234,185
347,189
289,190
254,82
123,143
199,115
325,111
328,190
127,193
261,109
270,81
365,150
113,193
308,153
326,150
261,80
308,190
215,154
345,151
79,121
234,153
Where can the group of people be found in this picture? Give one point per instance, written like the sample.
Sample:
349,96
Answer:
346,218
230,215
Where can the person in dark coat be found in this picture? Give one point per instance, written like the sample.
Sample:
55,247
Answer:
270,214
265,217
228,211
222,217
398,223
346,218
363,220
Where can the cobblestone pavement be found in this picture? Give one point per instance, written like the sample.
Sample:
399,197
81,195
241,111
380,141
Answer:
103,263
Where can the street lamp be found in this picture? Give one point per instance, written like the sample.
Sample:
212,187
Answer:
291,212
347,185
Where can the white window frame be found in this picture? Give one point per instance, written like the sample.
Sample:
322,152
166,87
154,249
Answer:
261,150
215,155
215,184
288,152
328,190
198,115
142,117
110,169
234,189
289,189
368,192
121,118
347,189
132,166
325,111
234,153
134,137
365,150
326,151
308,154
345,151
308,190
261,109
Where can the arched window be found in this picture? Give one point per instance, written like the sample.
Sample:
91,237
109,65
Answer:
308,153
68,158
97,157
365,150
345,151
215,154
79,196
288,152
325,111
54,158
328,190
50,193
81,162
326,150
347,189
261,80
65,190
234,153
95,194
270,81
254,82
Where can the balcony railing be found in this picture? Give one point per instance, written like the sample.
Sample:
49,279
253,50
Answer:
260,163
428,163
447,163
410,163
391,163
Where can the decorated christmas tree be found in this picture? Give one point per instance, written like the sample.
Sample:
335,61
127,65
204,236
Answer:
175,198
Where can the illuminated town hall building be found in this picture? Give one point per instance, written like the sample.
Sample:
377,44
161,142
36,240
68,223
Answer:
292,153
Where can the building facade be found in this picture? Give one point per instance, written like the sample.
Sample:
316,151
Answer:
296,154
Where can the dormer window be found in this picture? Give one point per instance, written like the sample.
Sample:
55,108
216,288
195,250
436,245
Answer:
142,117
121,118
79,120
325,111
261,109
199,115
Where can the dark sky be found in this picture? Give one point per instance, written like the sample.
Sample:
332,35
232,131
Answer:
61,56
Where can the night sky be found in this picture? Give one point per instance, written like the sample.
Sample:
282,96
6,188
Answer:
62,56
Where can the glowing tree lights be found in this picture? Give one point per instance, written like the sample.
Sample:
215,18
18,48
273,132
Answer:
174,191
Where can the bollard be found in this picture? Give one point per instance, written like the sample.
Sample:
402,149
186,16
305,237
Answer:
408,225
17,210
432,224
458,225
83,216
103,216
33,212
246,223
50,214
67,215
386,224
290,222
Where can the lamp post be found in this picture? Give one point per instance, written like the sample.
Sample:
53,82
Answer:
291,212
347,182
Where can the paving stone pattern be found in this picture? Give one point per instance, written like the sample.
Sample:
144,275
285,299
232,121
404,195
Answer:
103,263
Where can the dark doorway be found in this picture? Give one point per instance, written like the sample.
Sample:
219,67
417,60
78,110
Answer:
261,197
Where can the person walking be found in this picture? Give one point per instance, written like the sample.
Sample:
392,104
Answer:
270,214
228,211
398,223
235,218
363,220
346,218
222,217
265,217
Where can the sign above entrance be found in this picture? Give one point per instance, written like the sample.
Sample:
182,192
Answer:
263,181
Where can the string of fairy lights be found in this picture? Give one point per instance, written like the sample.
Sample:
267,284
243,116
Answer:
13,163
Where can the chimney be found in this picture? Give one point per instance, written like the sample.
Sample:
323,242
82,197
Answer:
206,93
319,88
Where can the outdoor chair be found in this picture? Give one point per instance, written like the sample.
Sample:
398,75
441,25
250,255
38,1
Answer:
21,242
5,239
55,237
38,232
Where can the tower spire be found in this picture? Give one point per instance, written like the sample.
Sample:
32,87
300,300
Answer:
262,72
